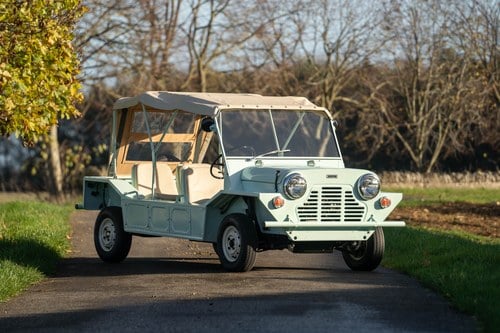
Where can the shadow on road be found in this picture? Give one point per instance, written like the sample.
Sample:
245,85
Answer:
266,311
84,267
137,266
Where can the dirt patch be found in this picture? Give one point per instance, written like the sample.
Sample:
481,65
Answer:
479,219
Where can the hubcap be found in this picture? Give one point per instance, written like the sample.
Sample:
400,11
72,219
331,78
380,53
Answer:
107,234
357,250
231,243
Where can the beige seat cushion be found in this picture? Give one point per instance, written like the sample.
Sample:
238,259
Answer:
199,184
165,186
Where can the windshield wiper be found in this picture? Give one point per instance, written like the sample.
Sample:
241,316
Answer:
273,152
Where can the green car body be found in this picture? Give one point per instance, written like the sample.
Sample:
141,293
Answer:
247,173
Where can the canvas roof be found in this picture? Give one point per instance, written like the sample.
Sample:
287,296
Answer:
208,103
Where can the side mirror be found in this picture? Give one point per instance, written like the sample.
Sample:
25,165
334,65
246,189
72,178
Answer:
207,123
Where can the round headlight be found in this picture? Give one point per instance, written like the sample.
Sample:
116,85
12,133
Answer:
294,186
368,186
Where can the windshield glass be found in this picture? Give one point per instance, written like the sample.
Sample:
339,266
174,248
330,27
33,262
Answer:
257,133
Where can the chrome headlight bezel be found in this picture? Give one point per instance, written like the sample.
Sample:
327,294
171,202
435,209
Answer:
368,186
294,186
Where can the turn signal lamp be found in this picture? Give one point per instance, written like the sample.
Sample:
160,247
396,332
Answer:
278,202
384,202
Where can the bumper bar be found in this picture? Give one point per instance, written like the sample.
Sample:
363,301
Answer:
332,225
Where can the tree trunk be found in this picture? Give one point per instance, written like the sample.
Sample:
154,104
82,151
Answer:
56,188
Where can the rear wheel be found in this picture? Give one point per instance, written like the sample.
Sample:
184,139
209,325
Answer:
236,243
111,241
365,255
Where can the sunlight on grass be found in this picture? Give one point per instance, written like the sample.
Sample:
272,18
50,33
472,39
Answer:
32,240
430,196
464,268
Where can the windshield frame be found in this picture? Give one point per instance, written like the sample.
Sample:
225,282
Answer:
280,145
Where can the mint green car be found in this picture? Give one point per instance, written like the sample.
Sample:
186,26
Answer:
247,173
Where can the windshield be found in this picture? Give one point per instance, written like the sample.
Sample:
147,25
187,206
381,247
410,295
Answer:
257,133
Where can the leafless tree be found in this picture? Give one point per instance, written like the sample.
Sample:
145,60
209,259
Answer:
427,99
215,33
476,32
99,36
343,38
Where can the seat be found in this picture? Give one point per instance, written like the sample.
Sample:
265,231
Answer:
165,185
197,184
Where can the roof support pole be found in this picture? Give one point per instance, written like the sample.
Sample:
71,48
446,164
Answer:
113,159
153,154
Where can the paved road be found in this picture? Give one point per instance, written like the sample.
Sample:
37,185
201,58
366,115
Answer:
178,286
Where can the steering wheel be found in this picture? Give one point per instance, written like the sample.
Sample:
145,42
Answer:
216,164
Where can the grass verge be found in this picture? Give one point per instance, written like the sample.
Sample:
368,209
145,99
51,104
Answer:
463,268
413,197
32,240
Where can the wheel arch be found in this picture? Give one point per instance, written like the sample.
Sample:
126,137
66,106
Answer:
223,205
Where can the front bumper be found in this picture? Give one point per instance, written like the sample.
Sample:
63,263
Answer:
331,225
328,231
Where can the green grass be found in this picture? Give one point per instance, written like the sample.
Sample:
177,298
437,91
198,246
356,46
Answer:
434,196
462,267
32,240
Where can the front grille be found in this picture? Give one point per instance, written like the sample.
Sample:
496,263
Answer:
331,204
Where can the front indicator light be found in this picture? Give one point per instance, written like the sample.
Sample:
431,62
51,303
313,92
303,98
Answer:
278,202
384,202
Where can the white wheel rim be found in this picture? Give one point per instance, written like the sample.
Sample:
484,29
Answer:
107,234
231,243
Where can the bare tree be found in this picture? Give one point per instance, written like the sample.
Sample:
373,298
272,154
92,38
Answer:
342,39
428,95
417,79
476,32
100,35
215,31
273,55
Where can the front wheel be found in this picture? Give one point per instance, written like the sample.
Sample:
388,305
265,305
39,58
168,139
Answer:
112,243
236,243
365,255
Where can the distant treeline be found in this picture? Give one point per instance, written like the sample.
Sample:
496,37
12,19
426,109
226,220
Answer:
413,85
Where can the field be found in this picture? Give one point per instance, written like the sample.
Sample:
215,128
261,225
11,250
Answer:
472,210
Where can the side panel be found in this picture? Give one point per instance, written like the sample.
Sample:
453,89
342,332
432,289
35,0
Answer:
161,218
180,221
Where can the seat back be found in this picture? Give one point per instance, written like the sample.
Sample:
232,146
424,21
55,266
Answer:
198,184
165,185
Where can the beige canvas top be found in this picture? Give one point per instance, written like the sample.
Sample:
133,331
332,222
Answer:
209,103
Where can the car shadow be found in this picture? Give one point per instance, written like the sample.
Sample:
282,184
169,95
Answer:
86,267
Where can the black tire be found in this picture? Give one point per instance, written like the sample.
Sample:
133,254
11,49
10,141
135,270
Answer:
236,243
111,242
365,255
216,250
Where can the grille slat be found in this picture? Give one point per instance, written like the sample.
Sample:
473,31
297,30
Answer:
331,204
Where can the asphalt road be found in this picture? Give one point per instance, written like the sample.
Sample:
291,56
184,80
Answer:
174,285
